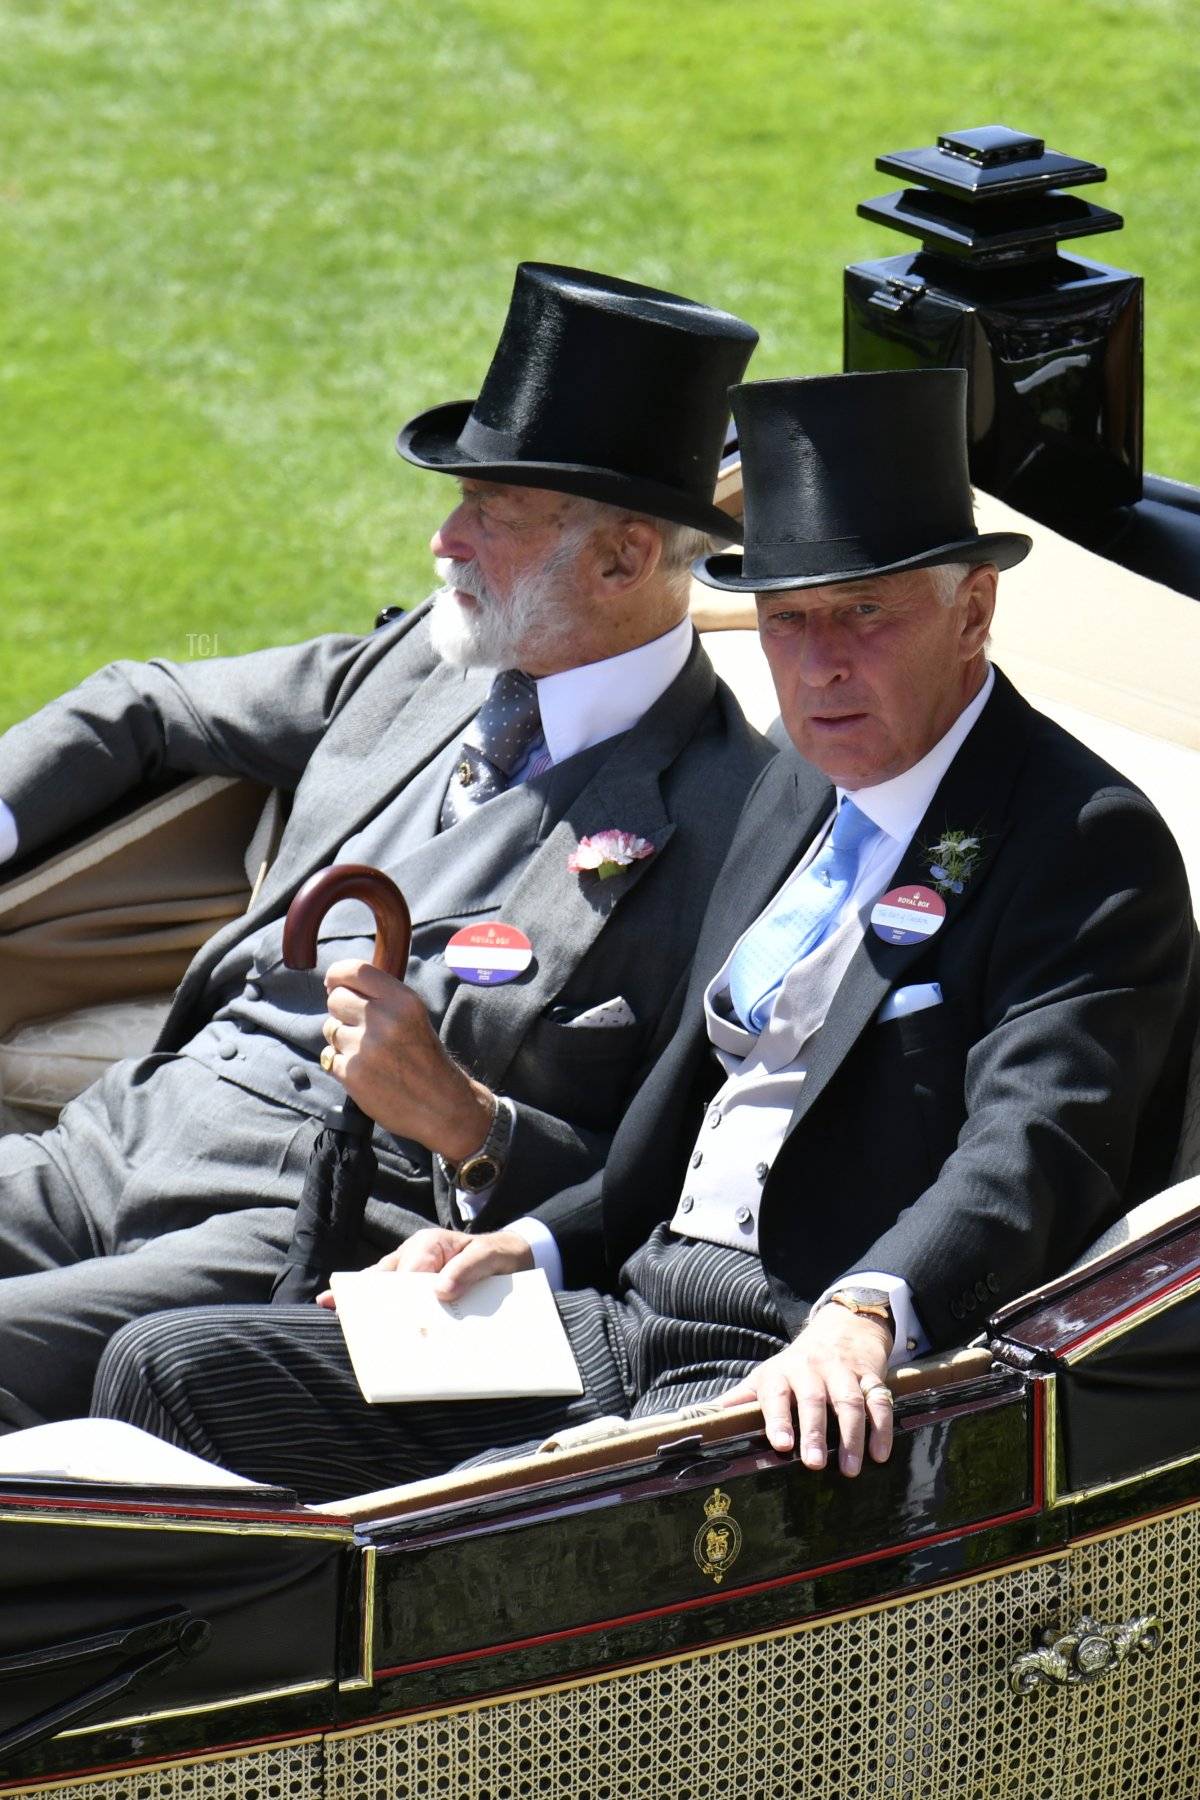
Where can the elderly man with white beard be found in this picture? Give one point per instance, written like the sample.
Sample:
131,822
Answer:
542,747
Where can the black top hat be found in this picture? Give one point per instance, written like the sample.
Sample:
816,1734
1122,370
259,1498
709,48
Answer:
847,476
601,388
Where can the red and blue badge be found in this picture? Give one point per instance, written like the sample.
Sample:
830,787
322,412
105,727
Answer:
907,915
487,955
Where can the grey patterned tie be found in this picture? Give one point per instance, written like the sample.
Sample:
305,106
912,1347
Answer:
495,743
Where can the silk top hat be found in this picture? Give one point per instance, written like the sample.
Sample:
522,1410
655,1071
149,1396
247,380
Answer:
848,476
601,388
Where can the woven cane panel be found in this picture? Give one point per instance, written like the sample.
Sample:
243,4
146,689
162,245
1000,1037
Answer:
281,1772
1139,1726
910,1700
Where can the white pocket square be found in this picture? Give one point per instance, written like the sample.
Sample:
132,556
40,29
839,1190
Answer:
616,1011
902,1001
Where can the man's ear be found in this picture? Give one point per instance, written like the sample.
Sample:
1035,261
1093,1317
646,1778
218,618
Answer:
628,556
978,591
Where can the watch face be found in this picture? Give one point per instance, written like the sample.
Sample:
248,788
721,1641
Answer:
478,1173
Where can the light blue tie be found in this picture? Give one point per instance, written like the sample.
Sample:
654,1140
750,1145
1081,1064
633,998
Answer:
783,936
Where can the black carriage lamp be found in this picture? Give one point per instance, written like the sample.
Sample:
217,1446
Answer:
1052,343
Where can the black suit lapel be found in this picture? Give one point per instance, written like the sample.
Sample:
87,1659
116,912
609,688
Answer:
787,805
973,797
784,809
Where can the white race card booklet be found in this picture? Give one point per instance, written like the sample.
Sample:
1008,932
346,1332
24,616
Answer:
503,1339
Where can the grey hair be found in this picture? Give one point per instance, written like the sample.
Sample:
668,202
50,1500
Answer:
681,544
946,579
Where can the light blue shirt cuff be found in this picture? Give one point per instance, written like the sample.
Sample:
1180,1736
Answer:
8,834
910,1336
546,1254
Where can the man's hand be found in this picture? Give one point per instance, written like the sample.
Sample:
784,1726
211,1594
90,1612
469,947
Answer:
389,1059
461,1260
839,1361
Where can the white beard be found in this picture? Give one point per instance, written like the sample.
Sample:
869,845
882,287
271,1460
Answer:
534,620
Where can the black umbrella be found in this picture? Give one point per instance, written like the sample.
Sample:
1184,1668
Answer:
339,1176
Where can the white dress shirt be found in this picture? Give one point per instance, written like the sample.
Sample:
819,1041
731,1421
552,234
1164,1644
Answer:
581,707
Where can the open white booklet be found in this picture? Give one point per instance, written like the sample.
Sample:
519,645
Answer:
501,1340
108,1450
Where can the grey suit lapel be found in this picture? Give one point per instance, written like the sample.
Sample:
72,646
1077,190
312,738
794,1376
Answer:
365,757
363,770
561,912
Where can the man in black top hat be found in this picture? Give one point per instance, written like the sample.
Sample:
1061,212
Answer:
934,1042
586,467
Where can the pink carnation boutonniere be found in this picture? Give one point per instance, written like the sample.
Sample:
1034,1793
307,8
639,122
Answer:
607,853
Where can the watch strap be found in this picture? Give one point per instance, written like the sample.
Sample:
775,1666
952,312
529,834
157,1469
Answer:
484,1167
871,1303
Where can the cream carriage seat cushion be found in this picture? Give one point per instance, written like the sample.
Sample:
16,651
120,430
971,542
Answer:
47,1062
1160,1209
94,938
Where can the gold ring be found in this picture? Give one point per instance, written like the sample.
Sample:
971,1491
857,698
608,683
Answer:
327,1056
874,1387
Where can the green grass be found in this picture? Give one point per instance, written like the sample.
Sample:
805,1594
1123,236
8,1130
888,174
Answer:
241,243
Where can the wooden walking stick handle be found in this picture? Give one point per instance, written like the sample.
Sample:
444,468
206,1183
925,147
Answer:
349,881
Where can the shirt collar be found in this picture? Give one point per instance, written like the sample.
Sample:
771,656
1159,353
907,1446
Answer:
897,806
583,706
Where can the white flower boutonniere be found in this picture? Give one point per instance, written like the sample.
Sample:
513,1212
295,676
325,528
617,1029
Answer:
607,853
953,860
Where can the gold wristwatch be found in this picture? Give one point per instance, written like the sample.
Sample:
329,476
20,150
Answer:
484,1167
872,1303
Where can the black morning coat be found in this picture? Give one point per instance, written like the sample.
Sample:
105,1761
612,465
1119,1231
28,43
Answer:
976,1147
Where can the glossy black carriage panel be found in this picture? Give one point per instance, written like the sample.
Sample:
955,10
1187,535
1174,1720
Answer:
669,1555
1123,1341
1134,1404
125,1616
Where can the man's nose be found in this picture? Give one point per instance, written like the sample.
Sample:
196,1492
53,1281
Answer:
452,537
823,652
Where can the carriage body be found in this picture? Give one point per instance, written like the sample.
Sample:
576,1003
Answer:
1008,1607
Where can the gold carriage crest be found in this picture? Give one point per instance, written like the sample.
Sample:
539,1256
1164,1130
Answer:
718,1543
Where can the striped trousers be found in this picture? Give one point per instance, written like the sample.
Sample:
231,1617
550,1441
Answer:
269,1391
